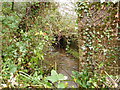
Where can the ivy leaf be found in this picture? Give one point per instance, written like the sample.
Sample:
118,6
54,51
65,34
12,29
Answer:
101,65
41,33
13,69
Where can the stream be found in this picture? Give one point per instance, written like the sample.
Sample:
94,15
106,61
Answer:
65,65
64,62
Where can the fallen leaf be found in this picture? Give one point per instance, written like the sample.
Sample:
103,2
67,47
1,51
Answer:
117,15
45,34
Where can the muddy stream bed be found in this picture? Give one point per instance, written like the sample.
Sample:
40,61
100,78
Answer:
64,64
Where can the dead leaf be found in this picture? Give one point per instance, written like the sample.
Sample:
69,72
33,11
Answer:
117,15
103,7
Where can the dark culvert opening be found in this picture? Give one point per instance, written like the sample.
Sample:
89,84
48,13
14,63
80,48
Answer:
60,42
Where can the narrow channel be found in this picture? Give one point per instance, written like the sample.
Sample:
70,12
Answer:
65,65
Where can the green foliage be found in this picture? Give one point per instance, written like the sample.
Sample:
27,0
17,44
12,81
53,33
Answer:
97,35
44,82
56,77
25,42
85,79
21,50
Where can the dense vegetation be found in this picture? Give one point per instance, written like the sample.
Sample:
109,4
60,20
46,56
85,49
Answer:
30,31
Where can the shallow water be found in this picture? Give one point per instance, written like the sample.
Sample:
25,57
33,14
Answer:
65,65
